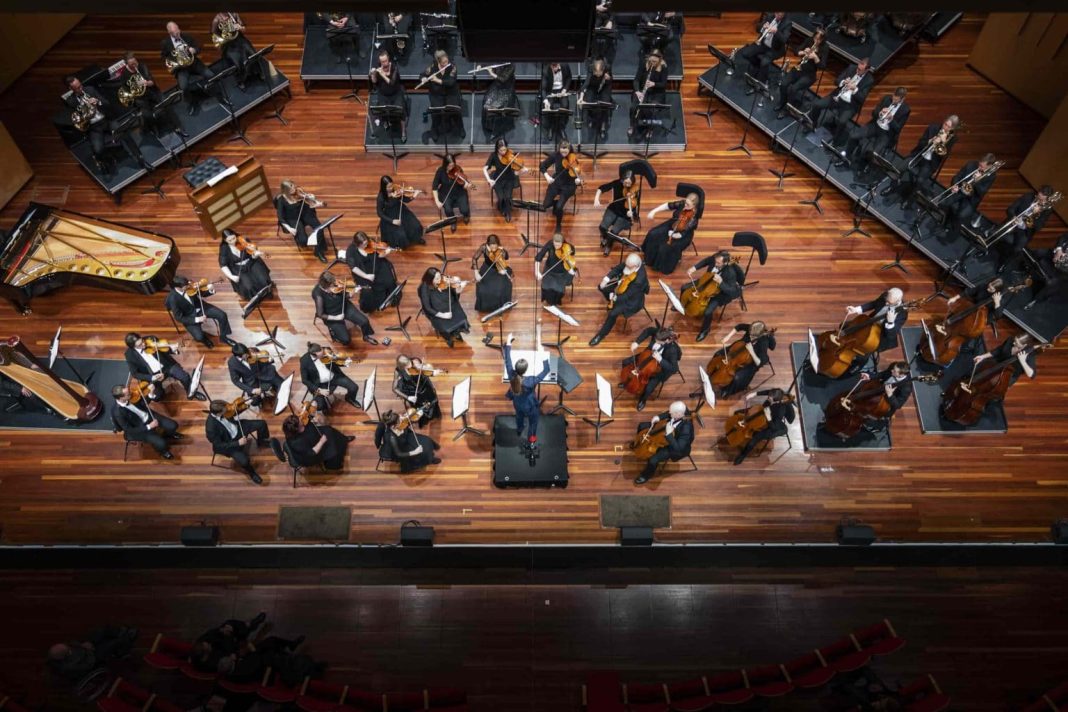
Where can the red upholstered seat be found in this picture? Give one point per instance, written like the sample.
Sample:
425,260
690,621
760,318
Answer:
319,696
878,639
687,690
168,653
274,690
602,692
363,700
923,695
808,671
728,688
446,698
843,656
404,701
768,681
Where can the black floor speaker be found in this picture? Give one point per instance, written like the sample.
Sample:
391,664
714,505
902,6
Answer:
417,536
855,535
200,536
1060,532
636,536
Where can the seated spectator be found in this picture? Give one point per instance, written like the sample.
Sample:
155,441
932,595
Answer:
214,645
75,660
252,660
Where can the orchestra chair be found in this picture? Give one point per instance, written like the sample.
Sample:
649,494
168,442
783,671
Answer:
178,329
693,466
758,247
126,446
681,191
229,466
296,466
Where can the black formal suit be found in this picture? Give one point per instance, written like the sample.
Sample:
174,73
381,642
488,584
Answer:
890,327
797,81
1011,245
140,369
921,174
188,78
834,112
331,455
555,124
960,207
309,376
872,137
133,420
781,415
1051,273
187,310
248,376
729,289
756,58
627,304
97,128
167,120
1004,351
679,443
223,443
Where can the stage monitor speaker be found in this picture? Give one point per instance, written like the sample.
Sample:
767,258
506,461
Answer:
417,536
1060,532
530,30
200,536
636,536
853,534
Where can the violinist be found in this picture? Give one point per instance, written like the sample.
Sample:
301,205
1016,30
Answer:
967,189
757,340
500,94
296,215
397,440
1027,215
333,306
664,244
650,87
555,86
664,349
897,385
522,391
778,409
678,432
621,211
555,268
924,161
138,422
150,359
811,59
493,276
880,134
502,171
838,107
440,78
389,91
238,49
728,275
251,370
890,311
312,442
321,373
450,188
561,184
595,99
398,225
625,287
756,58
230,435
372,270
412,384
187,304
439,295
242,264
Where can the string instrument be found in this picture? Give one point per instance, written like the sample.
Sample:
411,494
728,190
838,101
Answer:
155,345
722,367
331,357
399,190
204,286
963,323
456,174
571,165
849,412
494,255
631,196
243,245
68,399
857,337
621,286
424,370
566,254
308,409
448,283
683,219
412,414
695,298
740,428
966,399
636,375
647,442
342,286
255,355
236,407
141,391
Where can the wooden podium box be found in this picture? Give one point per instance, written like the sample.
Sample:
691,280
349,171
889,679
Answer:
232,199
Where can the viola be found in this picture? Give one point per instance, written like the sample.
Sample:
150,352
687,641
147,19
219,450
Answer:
740,428
236,407
142,390
377,247
962,324
857,337
342,286
446,283
259,356
683,220
456,174
413,414
722,367
399,190
636,375
243,245
695,298
848,412
966,398
648,441
203,286
424,370
330,357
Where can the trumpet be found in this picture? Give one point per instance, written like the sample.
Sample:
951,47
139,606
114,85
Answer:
181,56
135,87
805,56
939,144
848,87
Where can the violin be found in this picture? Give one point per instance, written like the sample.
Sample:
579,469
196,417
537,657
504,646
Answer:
330,357
413,414
309,198
740,428
308,409
648,441
696,297
155,345
967,398
722,367
571,165
635,376
236,407
848,412
684,218
962,324
494,255
630,197
344,285
142,390
255,355
456,174
399,190
566,254
448,283
857,337
377,247
511,158
204,286
243,245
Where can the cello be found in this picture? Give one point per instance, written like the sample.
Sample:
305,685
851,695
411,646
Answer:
648,441
636,375
855,338
722,367
966,399
740,428
697,295
962,324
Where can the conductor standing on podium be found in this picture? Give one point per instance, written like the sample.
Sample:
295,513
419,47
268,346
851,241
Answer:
521,391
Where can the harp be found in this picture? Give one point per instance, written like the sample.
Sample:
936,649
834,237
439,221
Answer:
69,399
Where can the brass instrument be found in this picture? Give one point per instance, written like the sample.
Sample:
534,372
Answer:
967,184
1027,217
807,55
886,116
939,144
332,17
182,56
1033,210
845,92
227,28
83,114
135,87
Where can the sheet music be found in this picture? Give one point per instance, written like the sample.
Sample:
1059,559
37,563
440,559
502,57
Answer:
219,176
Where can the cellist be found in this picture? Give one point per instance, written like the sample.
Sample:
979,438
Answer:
678,432
890,306
728,276
779,410
758,340
664,349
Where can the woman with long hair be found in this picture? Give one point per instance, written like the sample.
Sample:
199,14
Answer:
397,223
522,391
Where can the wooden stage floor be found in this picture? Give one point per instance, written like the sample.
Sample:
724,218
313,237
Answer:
76,488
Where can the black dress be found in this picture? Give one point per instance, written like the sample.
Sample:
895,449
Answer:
744,375
445,94
252,272
422,388
332,456
385,278
500,95
662,254
555,279
297,216
389,93
451,193
392,446
436,300
409,232
507,180
494,289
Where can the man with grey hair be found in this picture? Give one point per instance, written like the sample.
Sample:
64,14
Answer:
74,660
891,313
678,430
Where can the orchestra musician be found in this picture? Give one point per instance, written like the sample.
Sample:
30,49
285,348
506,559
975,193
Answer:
397,440
237,49
596,92
994,293
967,190
730,278
897,384
650,87
889,307
621,210
342,34
812,58
500,94
333,306
522,391
664,347
563,181
242,264
625,287
229,435
880,134
679,434
321,373
16,391
779,411
449,190
139,423
664,244
412,384
389,91
252,371
190,77
555,268
439,295
925,160
502,171
315,443
150,359
441,83
398,24
758,340
493,276
1021,346
605,34
187,304
657,29
296,210
838,107
372,271
756,58
1028,215
555,86
91,102
398,225
1052,272
146,102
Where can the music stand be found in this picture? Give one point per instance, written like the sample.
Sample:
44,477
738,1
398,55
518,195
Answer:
602,107
394,300
285,392
461,404
604,406
529,206
499,315
446,111
705,394
271,89
758,91
499,113
815,202
324,228
568,379
195,382
724,61
559,116
239,133
440,226
437,36
331,31
157,112
390,115
801,120
54,350
120,131
649,124
561,317
623,243
860,206
672,300
928,208
369,399
254,304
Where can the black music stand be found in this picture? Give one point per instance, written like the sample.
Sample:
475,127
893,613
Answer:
120,134
394,300
623,244
354,91
271,89
255,304
529,206
391,116
440,226
557,118
217,80
157,112
928,208
815,202
650,123
860,206
501,113
724,61
602,107
801,120
446,111
758,91
498,314
437,37
561,317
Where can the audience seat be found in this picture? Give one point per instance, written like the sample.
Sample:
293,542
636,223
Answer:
728,688
645,697
843,656
243,688
768,681
878,639
807,671
446,699
404,701
168,653
687,690
319,696
1053,700
274,690
601,692
125,696
923,695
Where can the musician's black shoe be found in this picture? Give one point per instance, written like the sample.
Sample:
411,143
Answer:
467,219
641,479
371,340
227,340
181,132
351,400
703,335
641,405
780,115
740,459
321,257
208,343
888,190
449,341
176,436
276,448
508,217
349,438
436,461
199,396
596,340
255,477
452,228
167,455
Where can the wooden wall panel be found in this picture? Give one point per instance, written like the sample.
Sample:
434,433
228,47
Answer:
25,37
1047,162
16,170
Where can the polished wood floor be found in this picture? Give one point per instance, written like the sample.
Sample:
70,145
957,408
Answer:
68,487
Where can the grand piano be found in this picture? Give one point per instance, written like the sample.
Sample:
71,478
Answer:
49,248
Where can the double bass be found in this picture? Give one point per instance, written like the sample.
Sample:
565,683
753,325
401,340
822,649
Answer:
636,376
850,411
966,399
722,367
740,428
855,338
648,441
962,324
697,295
